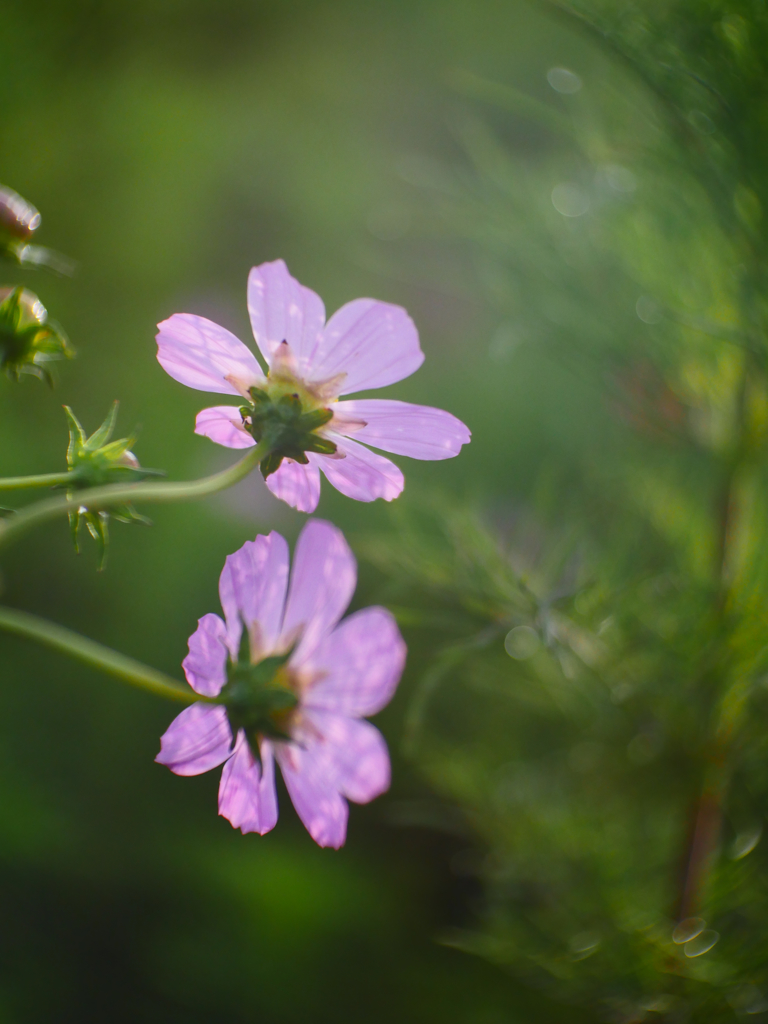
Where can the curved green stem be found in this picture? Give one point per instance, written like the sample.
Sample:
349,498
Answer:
96,655
97,498
21,483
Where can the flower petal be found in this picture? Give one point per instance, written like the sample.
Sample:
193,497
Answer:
206,664
323,580
361,474
360,665
224,425
281,309
372,343
196,740
252,589
202,355
418,431
318,803
352,755
295,484
247,794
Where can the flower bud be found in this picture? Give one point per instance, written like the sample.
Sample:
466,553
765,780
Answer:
28,339
94,461
18,218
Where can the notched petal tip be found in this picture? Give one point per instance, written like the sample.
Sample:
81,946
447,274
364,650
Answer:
416,431
362,474
196,740
374,343
247,794
281,309
296,485
359,665
206,664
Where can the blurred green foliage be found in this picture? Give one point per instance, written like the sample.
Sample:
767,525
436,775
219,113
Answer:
571,207
597,706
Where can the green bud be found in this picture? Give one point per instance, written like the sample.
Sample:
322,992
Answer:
94,461
289,430
29,341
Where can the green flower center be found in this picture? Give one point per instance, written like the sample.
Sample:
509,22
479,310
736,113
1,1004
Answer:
259,697
287,414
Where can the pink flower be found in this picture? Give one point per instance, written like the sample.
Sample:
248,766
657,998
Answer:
293,684
366,344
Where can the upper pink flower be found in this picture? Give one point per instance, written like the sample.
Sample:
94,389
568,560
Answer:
293,685
366,344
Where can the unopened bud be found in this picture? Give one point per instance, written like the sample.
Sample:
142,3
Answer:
28,339
97,460
17,217
31,309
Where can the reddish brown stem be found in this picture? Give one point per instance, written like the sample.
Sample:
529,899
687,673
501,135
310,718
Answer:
702,845
704,835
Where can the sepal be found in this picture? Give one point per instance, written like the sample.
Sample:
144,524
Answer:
95,461
289,430
29,341
257,695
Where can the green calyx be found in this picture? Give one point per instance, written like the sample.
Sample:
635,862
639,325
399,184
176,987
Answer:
95,461
28,340
284,424
256,696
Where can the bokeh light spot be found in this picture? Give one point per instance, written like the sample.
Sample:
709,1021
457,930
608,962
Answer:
522,642
569,199
564,81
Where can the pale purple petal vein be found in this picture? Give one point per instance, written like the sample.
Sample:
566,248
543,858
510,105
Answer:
418,431
323,580
358,666
196,740
296,485
361,474
372,343
252,589
321,807
281,309
351,755
206,664
247,794
202,355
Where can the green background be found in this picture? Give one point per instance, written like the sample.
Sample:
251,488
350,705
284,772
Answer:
170,147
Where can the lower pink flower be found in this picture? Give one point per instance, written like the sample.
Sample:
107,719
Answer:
293,685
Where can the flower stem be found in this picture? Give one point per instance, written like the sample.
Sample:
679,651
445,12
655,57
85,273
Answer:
703,839
97,498
96,655
707,818
21,483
